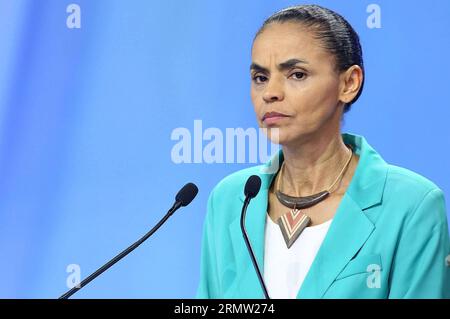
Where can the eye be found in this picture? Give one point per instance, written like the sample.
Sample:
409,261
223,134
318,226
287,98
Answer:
298,75
258,79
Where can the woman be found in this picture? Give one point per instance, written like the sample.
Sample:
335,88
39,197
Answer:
334,220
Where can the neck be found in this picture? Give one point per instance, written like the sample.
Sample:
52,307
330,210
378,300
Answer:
313,164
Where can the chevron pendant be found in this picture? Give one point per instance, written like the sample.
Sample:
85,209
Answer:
292,224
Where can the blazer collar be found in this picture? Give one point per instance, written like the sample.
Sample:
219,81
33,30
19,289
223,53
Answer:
347,233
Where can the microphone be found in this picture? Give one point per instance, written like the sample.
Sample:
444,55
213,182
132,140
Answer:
251,189
183,198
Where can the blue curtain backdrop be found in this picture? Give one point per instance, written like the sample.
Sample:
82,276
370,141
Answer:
86,117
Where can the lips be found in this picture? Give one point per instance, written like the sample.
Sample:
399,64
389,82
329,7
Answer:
273,117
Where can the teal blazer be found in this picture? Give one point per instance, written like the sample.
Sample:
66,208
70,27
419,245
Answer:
388,239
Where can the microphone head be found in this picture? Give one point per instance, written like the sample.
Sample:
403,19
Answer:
252,186
187,194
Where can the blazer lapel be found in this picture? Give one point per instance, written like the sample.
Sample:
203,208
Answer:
351,227
347,234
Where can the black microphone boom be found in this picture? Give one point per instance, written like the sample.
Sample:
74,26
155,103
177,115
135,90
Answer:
251,189
183,198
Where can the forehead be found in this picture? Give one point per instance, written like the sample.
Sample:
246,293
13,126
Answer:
282,41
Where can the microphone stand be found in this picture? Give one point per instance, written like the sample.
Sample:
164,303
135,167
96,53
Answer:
249,246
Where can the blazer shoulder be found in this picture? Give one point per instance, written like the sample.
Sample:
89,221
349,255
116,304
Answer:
404,180
421,196
234,183
224,197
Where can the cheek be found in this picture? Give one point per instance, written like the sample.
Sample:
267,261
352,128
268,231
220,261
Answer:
256,99
316,99
253,96
254,93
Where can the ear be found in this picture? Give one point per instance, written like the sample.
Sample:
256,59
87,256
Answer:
350,83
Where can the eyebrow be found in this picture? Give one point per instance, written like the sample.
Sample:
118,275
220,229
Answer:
282,66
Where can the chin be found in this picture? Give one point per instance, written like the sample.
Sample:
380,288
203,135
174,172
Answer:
277,136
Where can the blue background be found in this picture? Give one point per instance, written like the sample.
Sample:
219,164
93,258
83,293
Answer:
86,117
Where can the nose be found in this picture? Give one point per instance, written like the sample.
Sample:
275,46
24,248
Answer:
273,91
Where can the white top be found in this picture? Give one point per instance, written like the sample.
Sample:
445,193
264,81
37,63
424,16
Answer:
286,268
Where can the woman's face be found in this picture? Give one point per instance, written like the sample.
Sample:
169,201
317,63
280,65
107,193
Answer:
293,75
